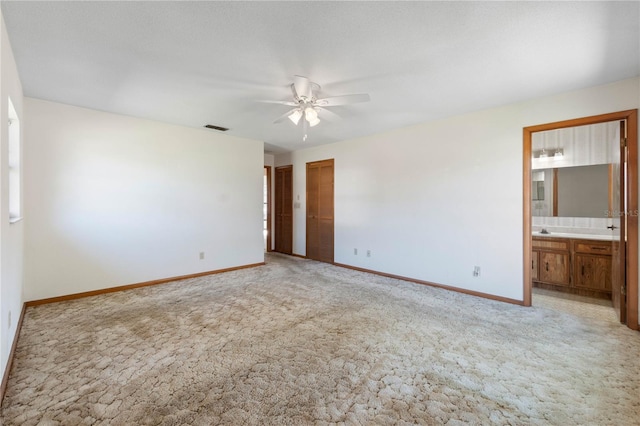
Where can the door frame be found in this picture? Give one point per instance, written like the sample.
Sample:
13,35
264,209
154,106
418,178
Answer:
631,265
269,210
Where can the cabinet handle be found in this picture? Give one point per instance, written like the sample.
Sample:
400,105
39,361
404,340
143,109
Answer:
532,264
547,266
598,248
582,269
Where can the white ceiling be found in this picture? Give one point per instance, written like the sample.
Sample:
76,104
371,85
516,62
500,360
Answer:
193,63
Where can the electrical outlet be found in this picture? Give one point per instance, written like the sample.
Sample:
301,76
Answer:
368,253
476,271
201,255
355,251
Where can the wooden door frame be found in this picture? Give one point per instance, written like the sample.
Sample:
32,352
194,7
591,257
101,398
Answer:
269,209
631,265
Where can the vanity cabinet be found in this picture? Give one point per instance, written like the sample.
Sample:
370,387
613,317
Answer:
572,265
592,268
553,265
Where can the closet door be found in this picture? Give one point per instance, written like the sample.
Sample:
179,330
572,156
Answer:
320,210
284,209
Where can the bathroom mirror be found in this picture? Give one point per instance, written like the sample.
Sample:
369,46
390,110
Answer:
537,185
581,191
537,189
571,174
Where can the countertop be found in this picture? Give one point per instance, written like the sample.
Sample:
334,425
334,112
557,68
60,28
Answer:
576,236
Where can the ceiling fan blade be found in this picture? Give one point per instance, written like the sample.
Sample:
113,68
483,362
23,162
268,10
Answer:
343,100
289,103
330,116
284,116
302,86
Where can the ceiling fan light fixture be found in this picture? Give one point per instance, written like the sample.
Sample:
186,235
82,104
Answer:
307,106
311,115
295,116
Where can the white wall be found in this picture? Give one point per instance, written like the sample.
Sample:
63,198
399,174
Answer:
434,200
11,235
115,200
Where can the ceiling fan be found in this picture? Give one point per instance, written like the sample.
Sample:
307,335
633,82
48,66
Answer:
308,108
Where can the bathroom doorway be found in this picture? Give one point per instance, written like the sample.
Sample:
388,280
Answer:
266,208
579,255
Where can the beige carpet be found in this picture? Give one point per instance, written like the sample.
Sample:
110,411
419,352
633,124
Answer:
299,342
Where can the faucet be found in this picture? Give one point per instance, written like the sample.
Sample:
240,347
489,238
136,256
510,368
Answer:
544,231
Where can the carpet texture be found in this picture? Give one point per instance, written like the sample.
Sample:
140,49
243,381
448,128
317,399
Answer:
300,342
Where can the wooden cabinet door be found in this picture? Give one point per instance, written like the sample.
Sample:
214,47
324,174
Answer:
554,268
593,272
284,210
534,265
320,221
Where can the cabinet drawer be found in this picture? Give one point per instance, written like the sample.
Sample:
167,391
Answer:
592,247
549,244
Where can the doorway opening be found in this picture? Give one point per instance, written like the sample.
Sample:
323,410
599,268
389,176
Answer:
579,264
266,208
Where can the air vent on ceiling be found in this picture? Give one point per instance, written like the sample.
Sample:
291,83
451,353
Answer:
211,126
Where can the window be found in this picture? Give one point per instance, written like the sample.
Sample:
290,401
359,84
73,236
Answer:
15,211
